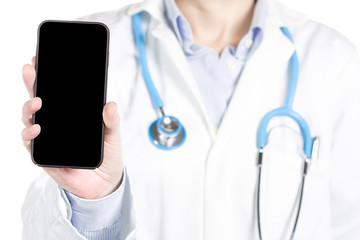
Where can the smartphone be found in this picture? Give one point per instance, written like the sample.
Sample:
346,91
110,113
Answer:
71,76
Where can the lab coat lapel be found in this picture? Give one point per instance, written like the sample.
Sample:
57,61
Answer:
257,92
264,80
171,54
177,64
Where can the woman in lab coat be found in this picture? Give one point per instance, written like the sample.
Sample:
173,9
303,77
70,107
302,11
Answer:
206,189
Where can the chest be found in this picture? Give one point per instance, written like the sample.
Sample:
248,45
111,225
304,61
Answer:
214,173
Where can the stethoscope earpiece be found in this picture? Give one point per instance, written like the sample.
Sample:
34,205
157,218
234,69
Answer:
167,133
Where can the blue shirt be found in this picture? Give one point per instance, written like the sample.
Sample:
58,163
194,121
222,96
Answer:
216,77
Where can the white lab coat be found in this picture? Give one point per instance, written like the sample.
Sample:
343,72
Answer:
206,190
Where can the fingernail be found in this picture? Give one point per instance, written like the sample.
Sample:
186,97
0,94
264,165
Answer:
35,99
36,127
111,108
114,108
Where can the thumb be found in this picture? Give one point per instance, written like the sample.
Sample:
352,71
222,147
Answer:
112,121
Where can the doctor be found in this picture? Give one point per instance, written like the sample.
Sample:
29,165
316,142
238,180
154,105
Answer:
219,67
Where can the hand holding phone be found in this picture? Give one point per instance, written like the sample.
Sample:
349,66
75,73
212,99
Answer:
89,184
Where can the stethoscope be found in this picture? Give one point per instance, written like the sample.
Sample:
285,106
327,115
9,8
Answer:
168,133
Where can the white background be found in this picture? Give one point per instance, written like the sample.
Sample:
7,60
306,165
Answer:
18,26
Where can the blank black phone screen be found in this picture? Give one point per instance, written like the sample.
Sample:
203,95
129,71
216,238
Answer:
71,75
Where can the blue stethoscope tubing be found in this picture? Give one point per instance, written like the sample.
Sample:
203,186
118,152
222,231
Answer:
287,109
141,46
262,130
158,133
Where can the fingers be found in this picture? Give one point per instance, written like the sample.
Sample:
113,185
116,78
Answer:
112,121
28,72
29,133
29,108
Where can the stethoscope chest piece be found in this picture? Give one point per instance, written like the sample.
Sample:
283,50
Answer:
167,133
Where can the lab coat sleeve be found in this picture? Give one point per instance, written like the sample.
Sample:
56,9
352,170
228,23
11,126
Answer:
46,213
345,157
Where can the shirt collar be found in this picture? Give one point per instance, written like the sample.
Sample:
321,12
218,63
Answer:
178,22
182,29
260,14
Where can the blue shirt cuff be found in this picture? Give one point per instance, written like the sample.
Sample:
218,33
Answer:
88,214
